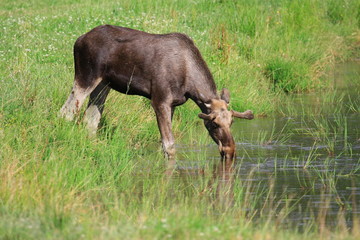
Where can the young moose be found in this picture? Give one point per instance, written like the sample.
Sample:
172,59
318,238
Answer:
166,68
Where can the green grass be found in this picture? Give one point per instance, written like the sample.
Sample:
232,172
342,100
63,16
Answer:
57,183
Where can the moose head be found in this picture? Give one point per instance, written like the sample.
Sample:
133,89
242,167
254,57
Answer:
218,123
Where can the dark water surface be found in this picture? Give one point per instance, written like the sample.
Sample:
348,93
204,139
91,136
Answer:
305,160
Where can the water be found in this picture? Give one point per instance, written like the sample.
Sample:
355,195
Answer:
305,160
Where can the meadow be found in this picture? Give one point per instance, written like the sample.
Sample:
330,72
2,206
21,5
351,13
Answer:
56,182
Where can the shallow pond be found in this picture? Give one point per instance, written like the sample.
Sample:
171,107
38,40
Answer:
300,165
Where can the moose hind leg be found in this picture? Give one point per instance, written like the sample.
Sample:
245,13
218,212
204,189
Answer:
76,99
95,107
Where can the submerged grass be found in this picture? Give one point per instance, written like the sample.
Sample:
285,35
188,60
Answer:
57,183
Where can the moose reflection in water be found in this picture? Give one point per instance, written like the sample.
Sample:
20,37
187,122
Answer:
223,180
219,182
168,69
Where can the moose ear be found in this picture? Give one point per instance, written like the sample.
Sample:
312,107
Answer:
225,95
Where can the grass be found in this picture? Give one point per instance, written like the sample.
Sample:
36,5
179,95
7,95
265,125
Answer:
57,183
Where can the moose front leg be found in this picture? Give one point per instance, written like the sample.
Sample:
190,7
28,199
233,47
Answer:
163,116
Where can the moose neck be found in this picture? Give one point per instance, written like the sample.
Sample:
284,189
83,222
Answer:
203,89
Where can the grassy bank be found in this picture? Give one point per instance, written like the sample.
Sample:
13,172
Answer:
57,183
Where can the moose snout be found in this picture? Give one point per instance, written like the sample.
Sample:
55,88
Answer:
227,152
227,147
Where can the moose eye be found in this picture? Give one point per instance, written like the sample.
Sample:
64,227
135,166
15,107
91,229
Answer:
214,125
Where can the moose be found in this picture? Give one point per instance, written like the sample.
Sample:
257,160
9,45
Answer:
168,69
